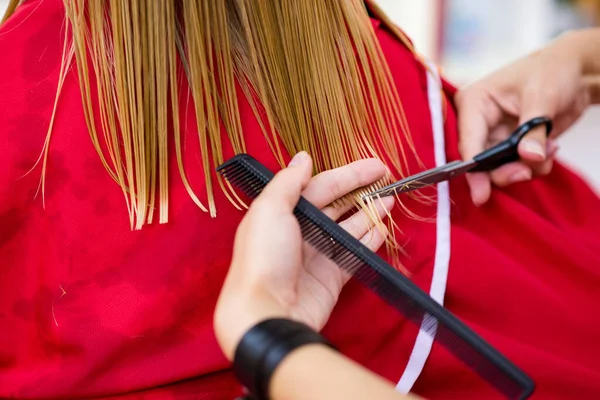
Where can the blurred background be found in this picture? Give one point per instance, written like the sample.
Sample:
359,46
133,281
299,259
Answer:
470,38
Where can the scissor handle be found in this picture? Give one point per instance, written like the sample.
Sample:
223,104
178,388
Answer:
506,151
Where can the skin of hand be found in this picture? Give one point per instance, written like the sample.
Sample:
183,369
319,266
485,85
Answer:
273,273
550,82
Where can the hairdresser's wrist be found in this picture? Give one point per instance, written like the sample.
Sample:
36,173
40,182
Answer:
582,46
238,312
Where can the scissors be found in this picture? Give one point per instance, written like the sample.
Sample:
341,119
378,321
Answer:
492,158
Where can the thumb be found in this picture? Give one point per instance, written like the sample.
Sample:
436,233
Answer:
283,192
532,147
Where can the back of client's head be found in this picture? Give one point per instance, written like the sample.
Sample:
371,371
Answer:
312,71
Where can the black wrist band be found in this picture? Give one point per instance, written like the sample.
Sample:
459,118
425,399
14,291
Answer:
263,348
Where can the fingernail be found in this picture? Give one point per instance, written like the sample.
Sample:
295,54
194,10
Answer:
534,147
298,159
520,176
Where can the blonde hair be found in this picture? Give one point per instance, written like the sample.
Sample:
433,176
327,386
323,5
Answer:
312,71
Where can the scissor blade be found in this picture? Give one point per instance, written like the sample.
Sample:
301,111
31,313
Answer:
425,178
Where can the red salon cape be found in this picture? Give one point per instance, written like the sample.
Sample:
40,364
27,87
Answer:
90,309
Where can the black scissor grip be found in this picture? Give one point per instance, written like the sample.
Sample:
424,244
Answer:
506,151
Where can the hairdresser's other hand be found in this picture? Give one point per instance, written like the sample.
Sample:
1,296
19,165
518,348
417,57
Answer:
273,273
548,83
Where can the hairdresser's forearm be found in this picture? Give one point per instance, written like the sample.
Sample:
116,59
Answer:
317,372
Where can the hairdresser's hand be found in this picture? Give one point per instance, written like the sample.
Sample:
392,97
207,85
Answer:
548,83
273,273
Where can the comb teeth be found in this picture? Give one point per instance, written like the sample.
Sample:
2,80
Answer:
391,286
243,173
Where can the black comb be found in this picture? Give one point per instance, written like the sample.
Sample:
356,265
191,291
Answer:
372,271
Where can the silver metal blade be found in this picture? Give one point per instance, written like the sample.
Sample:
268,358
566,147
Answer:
425,178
